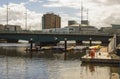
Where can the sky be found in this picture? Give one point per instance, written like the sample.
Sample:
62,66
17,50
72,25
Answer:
101,13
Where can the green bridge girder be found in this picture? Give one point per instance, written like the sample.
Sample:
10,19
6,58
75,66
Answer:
40,37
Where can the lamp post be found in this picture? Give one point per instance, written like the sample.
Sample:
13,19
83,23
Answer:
31,44
65,44
90,39
65,56
55,40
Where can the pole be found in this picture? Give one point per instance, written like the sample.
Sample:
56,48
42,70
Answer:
55,23
65,56
31,44
26,19
7,15
55,40
40,46
81,11
90,39
87,14
65,44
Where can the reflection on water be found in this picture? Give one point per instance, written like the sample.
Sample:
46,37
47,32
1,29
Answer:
16,51
16,63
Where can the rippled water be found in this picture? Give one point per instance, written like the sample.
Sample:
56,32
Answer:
16,63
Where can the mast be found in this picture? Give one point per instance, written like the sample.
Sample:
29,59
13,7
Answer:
114,41
26,19
7,15
87,14
81,11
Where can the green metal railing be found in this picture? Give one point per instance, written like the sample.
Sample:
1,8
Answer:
40,32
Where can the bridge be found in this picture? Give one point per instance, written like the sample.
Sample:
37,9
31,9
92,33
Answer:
39,37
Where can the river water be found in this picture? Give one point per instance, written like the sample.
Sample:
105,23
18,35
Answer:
16,63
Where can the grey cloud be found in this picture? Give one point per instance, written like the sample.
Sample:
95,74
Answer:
16,15
106,2
113,19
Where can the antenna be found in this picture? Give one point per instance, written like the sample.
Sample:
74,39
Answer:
26,19
81,11
87,14
7,15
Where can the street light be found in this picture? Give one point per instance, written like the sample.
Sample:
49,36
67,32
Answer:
90,39
55,38
65,39
31,44
65,43
65,55
31,39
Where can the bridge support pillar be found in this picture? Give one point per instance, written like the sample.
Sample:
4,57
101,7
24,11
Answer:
79,43
12,41
40,46
105,42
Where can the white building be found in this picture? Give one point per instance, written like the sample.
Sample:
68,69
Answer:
75,28
56,30
81,28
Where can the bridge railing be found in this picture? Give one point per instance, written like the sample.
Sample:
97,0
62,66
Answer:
40,32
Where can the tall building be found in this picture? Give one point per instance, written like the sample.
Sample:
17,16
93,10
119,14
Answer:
71,22
51,20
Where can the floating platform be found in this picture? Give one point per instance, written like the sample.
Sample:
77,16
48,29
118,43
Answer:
38,49
106,61
101,56
50,48
33,49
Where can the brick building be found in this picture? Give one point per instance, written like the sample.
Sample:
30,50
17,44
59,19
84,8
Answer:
51,20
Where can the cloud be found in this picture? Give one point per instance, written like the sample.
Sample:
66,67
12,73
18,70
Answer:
33,0
107,2
65,17
102,13
17,14
63,3
40,1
